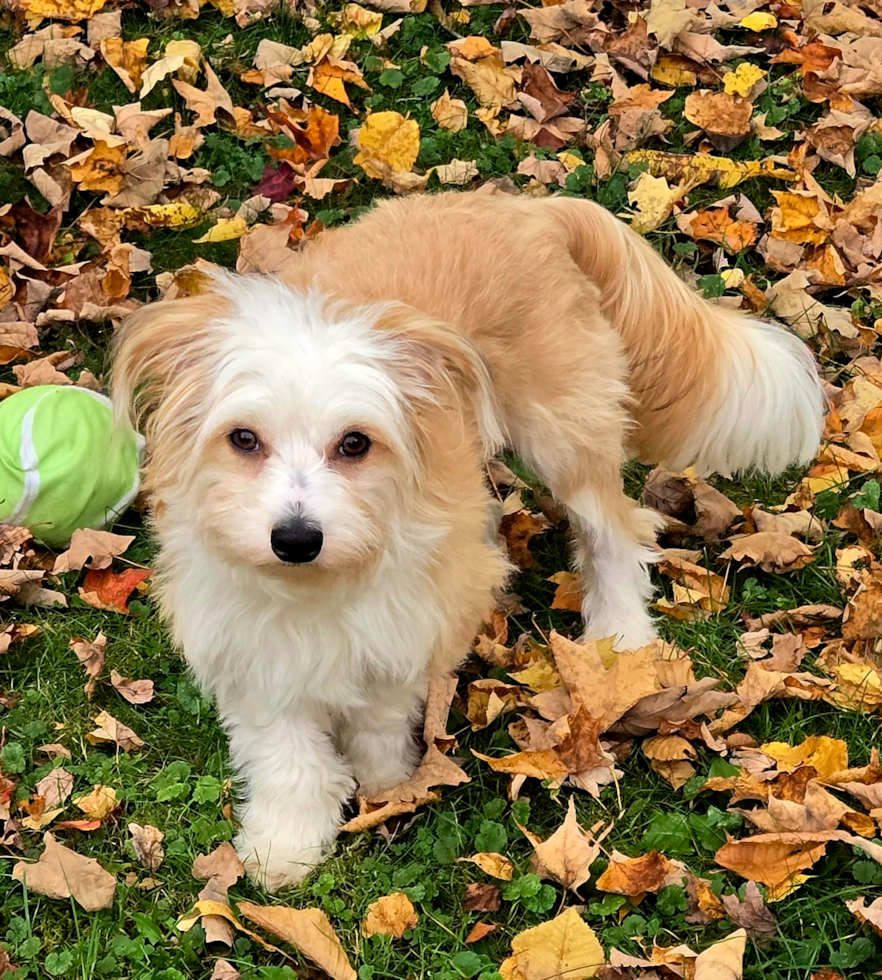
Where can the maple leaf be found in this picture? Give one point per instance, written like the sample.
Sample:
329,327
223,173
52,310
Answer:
482,898
495,865
100,803
220,869
451,115
62,873
109,590
567,855
113,732
91,656
135,692
387,142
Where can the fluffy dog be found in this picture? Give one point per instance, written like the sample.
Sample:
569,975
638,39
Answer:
316,451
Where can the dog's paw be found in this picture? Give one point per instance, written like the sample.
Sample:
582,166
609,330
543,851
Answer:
272,865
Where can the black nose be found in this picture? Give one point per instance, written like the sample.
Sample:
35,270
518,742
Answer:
296,541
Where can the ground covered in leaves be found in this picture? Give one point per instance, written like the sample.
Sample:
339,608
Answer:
705,808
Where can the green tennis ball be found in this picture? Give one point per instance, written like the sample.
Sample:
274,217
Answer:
63,465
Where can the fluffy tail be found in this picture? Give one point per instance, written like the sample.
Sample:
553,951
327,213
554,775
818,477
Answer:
713,388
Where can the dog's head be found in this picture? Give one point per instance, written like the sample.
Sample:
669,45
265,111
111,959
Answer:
287,429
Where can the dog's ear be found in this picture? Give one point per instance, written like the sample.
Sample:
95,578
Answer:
439,364
159,352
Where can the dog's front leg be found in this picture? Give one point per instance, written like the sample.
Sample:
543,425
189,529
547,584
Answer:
296,787
379,739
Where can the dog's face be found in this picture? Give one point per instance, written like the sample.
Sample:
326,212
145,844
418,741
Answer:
285,431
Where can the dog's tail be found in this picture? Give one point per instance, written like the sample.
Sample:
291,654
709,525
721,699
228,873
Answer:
713,388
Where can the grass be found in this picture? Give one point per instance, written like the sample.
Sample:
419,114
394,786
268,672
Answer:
181,781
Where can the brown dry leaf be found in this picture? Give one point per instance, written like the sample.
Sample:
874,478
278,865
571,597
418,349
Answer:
392,915
488,699
100,803
716,224
776,863
135,692
127,58
309,930
772,551
702,593
220,870
491,863
752,914
436,769
55,788
493,83
724,960
91,656
635,877
482,898
46,370
518,529
113,732
205,104
870,914
562,947
605,683
542,764
224,970
62,873
725,118
147,842
567,855
451,115
801,217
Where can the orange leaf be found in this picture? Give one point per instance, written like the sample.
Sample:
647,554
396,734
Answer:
106,589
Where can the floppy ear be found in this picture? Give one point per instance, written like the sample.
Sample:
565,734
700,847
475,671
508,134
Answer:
160,378
439,364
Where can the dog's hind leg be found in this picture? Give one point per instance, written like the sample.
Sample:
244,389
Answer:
576,445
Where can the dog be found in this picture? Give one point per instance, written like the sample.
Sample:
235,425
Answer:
316,451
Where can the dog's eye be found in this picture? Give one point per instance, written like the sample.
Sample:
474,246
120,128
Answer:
244,440
354,444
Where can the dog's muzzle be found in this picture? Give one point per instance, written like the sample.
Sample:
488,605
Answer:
296,542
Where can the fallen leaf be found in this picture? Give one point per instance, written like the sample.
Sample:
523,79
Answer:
752,914
91,656
100,803
496,865
562,947
567,855
307,929
635,877
870,914
109,590
387,142
482,898
772,551
55,788
224,970
135,692
62,873
113,732
392,915
724,117
451,115
724,960
777,864
220,870
480,930
702,168
652,200
147,842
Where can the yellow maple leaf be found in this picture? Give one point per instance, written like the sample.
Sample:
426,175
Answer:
178,215
72,10
360,23
98,170
493,864
562,947
329,75
827,755
742,80
758,21
225,230
653,201
703,168
392,915
387,142
800,217
127,58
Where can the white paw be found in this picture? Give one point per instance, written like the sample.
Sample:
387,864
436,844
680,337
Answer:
272,864
378,783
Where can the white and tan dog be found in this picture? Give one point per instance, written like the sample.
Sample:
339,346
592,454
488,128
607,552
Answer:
316,451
